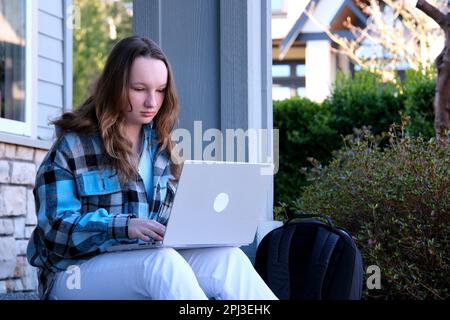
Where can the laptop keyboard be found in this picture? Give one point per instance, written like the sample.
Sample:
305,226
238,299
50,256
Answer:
150,244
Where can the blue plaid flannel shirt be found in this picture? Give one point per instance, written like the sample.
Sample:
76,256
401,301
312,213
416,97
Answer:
82,208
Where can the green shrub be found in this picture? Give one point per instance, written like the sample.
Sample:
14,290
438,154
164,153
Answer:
365,100
396,202
418,90
304,132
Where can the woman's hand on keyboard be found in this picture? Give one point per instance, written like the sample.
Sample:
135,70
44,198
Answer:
145,229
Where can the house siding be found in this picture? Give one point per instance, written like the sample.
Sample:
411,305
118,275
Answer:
21,156
51,65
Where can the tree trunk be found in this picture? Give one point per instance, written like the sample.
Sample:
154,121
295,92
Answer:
442,96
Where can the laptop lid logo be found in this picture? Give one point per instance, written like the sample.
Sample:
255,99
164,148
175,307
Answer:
221,202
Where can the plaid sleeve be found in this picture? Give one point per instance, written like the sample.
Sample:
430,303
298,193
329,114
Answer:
66,232
118,226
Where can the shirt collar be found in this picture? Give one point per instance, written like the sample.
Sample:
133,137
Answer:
149,132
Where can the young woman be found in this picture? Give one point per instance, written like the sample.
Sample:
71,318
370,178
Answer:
109,179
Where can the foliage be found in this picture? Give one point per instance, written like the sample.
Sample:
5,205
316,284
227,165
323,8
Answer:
365,100
419,90
312,130
102,22
304,131
395,200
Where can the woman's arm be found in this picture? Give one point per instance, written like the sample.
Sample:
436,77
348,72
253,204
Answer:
66,232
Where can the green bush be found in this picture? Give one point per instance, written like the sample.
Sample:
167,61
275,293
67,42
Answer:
312,130
365,100
396,202
304,132
418,90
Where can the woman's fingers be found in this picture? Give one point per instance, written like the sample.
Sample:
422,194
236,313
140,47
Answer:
143,237
156,227
148,236
148,231
154,235
145,229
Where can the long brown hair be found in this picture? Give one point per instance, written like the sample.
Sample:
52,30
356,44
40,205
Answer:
103,113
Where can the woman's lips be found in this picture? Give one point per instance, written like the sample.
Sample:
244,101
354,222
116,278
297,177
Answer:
148,114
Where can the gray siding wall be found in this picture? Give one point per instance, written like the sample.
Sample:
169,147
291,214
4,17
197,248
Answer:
54,65
220,51
190,38
206,43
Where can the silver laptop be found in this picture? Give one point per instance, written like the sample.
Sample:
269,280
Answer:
216,204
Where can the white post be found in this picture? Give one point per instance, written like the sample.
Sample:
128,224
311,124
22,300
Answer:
256,85
319,69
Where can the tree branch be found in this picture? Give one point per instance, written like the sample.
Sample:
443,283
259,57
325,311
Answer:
432,12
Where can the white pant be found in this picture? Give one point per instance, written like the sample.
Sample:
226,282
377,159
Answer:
188,274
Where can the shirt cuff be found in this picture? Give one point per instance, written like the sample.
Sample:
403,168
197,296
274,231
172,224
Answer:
118,226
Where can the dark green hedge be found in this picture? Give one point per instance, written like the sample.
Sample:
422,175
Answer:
313,130
304,131
418,90
365,100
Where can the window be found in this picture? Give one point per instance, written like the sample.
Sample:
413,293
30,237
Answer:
288,79
14,78
278,6
281,70
300,70
281,93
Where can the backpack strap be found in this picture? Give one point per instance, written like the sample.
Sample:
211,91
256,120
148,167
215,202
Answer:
278,262
299,216
322,250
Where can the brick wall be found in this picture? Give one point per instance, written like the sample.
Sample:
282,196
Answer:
18,166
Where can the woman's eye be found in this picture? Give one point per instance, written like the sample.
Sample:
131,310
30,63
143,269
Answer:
162,90
138,89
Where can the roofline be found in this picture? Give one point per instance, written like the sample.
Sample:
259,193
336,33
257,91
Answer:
286,43
316,36
353,8
294,33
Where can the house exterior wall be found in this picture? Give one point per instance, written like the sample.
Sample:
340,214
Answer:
319,69
321,64
18,166
194,56
51,65
20,156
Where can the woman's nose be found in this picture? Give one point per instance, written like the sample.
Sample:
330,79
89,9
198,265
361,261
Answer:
150,102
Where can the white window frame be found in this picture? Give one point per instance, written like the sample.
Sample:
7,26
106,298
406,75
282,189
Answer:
27,127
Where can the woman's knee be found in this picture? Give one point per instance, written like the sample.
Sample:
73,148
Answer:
233,255
168,264
163,259
169,276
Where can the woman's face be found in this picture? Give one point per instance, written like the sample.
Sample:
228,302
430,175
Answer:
147,88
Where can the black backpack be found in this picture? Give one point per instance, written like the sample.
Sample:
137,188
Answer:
310,260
